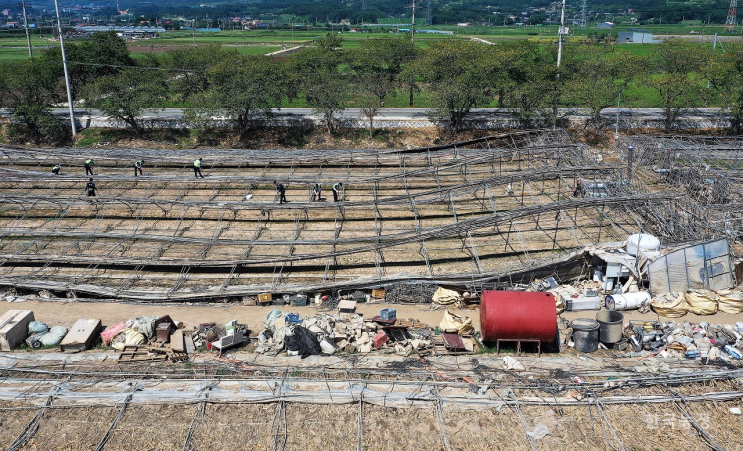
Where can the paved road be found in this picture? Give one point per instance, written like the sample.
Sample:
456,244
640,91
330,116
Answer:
392,113
704,117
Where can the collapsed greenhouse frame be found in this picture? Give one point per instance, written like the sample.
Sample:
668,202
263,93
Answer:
470,214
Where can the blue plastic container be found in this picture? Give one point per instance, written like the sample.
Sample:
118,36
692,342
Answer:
388,314
293,318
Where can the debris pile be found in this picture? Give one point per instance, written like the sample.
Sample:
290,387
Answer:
327,334
670,339
410,293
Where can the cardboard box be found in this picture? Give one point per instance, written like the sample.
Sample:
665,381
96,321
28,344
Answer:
347,306
379,293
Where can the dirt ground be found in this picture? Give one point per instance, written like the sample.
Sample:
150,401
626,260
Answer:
67,313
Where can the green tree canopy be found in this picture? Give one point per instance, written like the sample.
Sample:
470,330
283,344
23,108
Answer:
459,75
677,77
126,95
102,55
191,66
594,76
245,87
27,88
725,73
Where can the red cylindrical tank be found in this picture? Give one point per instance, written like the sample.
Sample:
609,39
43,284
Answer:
518,315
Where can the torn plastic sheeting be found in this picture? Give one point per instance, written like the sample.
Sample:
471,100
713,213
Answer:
65,395
700,266
539,432
614,252
271,318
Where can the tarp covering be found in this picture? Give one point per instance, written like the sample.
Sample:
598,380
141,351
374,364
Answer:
462,324
443,296
128,337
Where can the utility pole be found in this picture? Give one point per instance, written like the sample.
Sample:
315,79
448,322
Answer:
616,128
732,11
66,71
412,29
560,32
429,21
583,15
28,36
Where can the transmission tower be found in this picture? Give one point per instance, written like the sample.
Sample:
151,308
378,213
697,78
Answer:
428,12
363,5
730,22
583,15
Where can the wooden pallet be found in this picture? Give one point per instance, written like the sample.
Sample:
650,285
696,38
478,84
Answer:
439,347
176,356
142,354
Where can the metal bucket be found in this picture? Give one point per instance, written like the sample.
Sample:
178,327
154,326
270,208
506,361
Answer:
585,334
611,324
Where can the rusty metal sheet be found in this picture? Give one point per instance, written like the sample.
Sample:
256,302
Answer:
453,341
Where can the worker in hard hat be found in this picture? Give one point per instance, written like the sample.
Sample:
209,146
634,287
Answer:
197,168
90,187
88,166
56,168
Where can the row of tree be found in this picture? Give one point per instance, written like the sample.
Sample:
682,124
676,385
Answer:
454,76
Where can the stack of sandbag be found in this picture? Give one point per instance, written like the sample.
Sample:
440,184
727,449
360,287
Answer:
40,335
730,301
698,302
670,305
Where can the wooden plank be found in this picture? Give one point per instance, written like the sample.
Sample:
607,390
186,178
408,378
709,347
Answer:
176,341
190,348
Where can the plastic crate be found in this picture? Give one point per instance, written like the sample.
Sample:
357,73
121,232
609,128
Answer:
379,293
265,297
293,318
380,339
299,300
388,314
